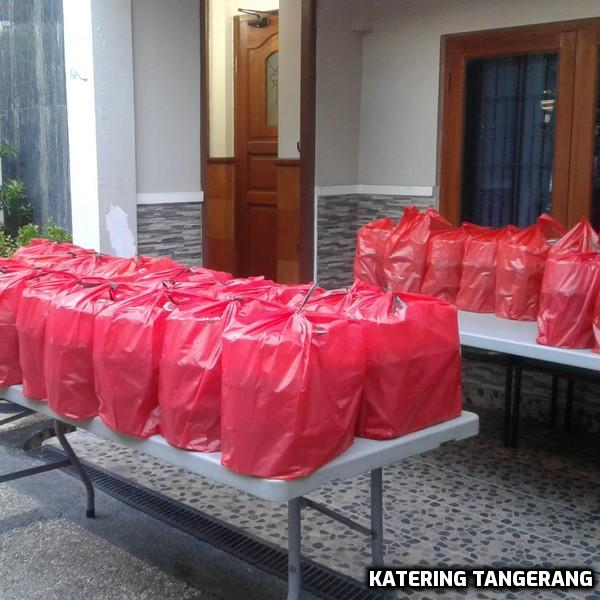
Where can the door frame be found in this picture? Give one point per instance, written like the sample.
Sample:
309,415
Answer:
308,92
571,151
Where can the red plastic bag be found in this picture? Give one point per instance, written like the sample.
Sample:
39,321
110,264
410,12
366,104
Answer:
88,264
190,374
45,254
293,295
596,326
68,363
290,390
444,262
248,287
405,255
37,296
210,273
371,240
580,238
12,283
128,337
550,227
478,277
331,302
520,263
129,270
413,377
336,302
569,290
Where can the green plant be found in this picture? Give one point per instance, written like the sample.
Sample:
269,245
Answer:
7,244
12,197
26,233
12,203
7,150
18,229
55,232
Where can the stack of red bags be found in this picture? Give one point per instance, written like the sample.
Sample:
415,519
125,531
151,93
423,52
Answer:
280,378
520,267
395,257
570,290
445,257
405,255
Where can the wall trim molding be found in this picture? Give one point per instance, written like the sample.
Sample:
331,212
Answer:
425,191
170,197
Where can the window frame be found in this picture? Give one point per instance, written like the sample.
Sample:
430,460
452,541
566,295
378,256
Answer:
577,44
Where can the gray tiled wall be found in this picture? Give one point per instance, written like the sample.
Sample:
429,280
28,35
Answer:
338,219
171,230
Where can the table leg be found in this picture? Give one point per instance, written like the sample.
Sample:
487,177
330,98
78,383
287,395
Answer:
59,428
569,405
16,417
294,548
377,517
554,401
508,389
516,406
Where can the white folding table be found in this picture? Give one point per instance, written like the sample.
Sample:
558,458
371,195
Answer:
516,341
362,457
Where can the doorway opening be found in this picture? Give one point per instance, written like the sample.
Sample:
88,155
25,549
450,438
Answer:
258,111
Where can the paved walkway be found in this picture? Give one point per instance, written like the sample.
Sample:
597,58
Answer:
472,503
49,550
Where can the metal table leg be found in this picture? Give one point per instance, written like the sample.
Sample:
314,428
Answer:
516,406
20,415
569,405
294,548
59,428
508,388
554,401
377,516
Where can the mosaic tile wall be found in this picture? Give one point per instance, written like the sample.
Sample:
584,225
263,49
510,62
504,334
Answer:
483,386
173,230
338,219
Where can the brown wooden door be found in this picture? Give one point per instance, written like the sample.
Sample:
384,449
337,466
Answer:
256,114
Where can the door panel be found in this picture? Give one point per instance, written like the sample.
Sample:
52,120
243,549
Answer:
262,224
261,173
256,87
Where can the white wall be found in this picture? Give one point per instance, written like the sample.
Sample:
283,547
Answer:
400,71
339,72
100,111
290,28
167,69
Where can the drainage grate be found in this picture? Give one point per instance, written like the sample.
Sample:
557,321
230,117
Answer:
316,579
9,407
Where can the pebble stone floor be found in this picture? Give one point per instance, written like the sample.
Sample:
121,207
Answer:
467,504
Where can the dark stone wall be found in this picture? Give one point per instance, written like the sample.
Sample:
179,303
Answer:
338,220
173,230
33,106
